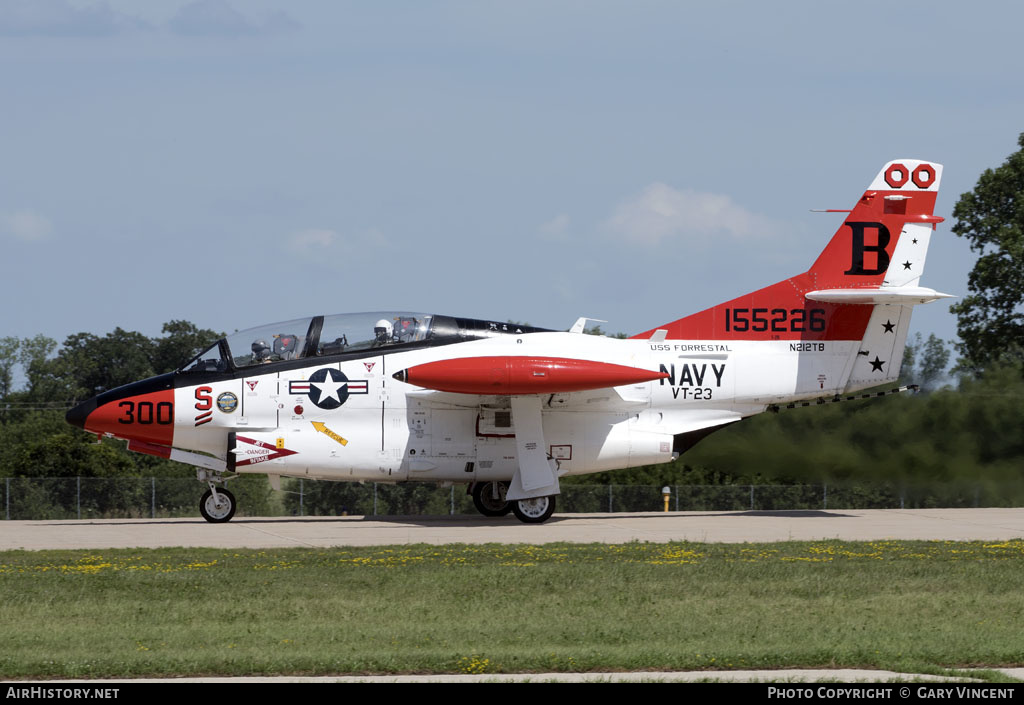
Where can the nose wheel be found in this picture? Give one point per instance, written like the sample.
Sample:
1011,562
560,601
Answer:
217,508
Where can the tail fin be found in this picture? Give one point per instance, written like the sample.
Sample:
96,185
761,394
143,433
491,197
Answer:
884,240
875,258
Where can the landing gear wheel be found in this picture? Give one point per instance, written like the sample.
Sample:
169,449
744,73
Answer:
214,513
534,511
485,501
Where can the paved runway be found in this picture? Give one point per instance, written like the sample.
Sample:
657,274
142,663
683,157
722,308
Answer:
713,527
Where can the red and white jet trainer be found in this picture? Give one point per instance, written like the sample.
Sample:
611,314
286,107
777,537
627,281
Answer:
509,409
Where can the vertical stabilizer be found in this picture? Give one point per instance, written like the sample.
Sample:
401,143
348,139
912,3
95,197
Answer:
882,243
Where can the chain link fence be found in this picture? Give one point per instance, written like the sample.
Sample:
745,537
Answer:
121,497
86,498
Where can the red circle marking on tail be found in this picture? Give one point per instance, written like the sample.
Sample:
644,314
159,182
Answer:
928,177
891,177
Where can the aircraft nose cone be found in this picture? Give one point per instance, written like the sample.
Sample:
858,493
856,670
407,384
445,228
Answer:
78,415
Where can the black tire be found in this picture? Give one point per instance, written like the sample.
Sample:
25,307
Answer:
485,502
214,514
534,511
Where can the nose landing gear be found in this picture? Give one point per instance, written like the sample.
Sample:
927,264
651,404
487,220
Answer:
217,504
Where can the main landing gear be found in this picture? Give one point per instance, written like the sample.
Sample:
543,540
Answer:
217,504
489,499
534,511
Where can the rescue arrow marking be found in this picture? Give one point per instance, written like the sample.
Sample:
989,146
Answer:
322,428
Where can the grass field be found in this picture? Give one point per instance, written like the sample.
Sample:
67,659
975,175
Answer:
495,608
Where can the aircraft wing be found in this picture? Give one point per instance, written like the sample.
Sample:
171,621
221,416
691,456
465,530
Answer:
610,398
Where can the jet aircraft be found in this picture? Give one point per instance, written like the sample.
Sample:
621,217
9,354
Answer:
509,409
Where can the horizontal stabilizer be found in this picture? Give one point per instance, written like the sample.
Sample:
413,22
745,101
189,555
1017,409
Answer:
907,295
852,397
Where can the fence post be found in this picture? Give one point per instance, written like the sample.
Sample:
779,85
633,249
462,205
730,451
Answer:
451,512
824,501
152,497
751,498
7,498
302,506
901,498
677,498
78,495
609,499
375,499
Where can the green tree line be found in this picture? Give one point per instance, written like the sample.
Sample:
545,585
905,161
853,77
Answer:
35,441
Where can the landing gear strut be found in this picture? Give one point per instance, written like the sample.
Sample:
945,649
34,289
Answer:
489,498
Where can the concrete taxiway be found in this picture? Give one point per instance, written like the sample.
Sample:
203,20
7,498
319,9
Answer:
714,527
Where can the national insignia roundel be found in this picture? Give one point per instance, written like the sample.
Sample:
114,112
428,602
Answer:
328,388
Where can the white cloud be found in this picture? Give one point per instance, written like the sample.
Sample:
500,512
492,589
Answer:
661,212
311,240
319,241
218,18
26,225
556,229
62,19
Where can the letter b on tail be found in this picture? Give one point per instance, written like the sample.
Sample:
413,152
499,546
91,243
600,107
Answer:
859,247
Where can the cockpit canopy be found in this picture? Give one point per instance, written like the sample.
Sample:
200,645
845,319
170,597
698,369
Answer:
321,336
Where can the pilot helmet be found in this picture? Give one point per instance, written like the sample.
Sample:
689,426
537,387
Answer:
382,330
260,350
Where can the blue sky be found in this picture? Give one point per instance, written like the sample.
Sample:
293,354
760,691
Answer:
236,163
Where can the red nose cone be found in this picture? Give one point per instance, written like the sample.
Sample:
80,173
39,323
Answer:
522,375
145,417
143,411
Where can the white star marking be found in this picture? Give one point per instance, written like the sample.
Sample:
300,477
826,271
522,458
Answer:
329,389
